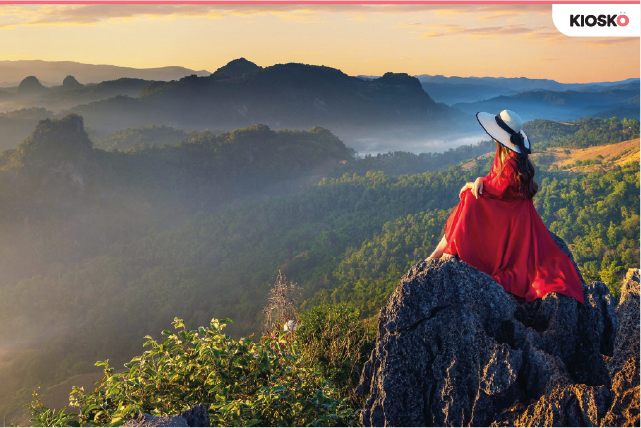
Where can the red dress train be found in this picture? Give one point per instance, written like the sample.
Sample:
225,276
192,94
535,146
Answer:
501,234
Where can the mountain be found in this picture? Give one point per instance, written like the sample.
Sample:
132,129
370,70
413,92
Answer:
517,84
450,93
629,108
70,83
290,95
17,125
72,94
564,106
55,71
453,90
235,68
204,169
30,85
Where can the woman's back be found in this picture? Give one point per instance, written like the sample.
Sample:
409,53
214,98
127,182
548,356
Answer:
501,234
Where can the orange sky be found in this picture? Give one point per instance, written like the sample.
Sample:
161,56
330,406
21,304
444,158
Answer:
460,40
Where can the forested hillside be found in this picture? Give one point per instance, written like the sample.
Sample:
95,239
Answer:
149,135
102,248
581,133
16,125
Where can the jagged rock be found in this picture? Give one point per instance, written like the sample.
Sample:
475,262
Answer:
197,416
625,405
569,405
624,365
453,348
626,343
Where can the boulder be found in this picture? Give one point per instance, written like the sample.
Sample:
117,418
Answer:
453,348
197,416
147,420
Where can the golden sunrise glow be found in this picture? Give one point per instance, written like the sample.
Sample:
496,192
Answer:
452,40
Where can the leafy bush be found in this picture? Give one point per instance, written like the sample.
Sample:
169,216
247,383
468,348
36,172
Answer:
335,339
242,383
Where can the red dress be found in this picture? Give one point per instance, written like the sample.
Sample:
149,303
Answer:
501,234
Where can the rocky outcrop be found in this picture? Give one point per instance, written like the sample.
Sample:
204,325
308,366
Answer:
197,416
568,405
30,86
70,83
453,348
624,365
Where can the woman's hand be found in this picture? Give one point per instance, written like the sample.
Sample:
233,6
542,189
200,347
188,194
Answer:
476,188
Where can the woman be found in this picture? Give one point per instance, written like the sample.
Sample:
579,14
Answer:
496,228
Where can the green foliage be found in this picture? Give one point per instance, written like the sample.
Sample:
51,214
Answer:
150,135
588,162
42,416
338,341
586,132
367,275
242,383
598,216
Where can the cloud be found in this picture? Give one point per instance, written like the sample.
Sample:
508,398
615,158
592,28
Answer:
412,25
610,41
91,14
476,32
396,60
432,34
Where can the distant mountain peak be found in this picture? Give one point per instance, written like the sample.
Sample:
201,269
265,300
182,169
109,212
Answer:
52,160
70,83
403,79
30,85
56,140
235,68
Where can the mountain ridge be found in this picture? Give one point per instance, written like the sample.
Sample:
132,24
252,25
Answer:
53,72
290,95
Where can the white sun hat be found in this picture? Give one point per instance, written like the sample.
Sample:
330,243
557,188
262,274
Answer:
505,128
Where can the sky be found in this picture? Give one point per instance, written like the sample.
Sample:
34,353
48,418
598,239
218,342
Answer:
451,40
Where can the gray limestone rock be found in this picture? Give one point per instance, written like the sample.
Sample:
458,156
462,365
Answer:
626,342
455,349
197,416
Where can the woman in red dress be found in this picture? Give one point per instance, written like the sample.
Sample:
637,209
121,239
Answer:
496,228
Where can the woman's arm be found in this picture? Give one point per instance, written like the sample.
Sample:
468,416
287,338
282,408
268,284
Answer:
476,187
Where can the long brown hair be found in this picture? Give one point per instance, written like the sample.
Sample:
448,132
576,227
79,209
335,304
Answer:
525,171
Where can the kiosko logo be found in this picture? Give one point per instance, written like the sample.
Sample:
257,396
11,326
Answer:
601,20
597,20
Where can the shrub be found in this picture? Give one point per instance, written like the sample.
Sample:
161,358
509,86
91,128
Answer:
335,339
242,383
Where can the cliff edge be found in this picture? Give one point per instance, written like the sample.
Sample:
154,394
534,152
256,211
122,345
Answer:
454,349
